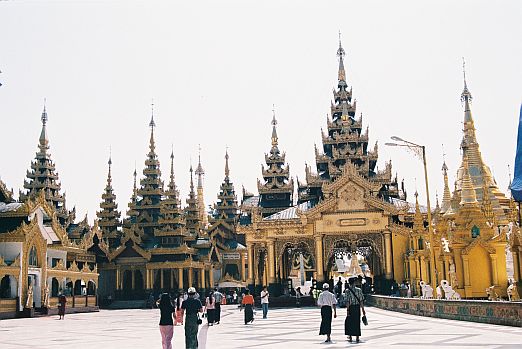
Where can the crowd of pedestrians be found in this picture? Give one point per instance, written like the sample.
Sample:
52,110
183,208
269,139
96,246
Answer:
190,308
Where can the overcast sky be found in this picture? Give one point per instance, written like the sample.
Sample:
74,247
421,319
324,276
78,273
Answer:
214,69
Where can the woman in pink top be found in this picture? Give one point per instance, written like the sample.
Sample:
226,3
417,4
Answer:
210,305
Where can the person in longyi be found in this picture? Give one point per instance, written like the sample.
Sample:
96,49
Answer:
327,302
248,303
354,306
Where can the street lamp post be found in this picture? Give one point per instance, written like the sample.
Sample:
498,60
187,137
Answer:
420,150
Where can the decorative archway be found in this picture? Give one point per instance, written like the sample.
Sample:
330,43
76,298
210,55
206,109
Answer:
91,288
289,259
55,287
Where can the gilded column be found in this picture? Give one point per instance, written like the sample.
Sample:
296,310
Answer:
250,257
388,254
133,278
516,268
171,279
467,285
243,268
190,276
271,262
494,269
180,278
446,268
424,269
161,278
118,277
211,274
319,257
202,277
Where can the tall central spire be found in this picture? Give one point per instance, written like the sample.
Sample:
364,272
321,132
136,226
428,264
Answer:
341,53
152,124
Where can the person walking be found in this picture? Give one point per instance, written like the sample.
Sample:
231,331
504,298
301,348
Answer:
210,306
191,307
166,323
354,306
218,296
298,295
248,303
327,302
264,301
179,312
62,301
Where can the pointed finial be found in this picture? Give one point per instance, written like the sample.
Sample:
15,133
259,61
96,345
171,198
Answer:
152,124
110,156
227,171
466,95
191,180
274,131
44,113
172,152
341,53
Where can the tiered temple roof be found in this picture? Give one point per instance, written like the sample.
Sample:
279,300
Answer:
226,209
276,193
192,211
149,195
43,177
172,231
345,141
109,216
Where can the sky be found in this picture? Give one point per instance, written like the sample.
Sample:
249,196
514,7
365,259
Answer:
216,68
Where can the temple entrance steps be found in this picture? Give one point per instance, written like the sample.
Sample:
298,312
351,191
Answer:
131,304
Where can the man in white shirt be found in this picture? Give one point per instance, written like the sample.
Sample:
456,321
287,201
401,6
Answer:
327,301
264,301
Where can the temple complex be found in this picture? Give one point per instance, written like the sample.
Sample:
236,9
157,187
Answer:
346,218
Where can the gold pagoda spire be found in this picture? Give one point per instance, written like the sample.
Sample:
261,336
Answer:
486,205
468,195
200,197
418,220
446,196
172,184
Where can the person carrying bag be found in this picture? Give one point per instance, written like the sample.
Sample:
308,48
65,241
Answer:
354,305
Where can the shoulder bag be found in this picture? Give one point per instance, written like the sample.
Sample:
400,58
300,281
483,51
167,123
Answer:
364,319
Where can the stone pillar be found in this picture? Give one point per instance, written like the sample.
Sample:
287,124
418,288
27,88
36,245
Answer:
133,278
271,261
243,268
161,279
250,279
180,278
319,258
190,276
388,254
494,269
516,267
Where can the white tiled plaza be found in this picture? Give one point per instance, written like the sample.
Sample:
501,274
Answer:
285,328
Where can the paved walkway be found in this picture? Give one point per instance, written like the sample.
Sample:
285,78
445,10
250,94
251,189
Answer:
285,328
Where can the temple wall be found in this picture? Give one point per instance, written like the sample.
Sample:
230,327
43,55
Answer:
399,247
499,313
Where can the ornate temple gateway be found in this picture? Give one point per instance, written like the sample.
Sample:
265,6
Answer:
346,211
